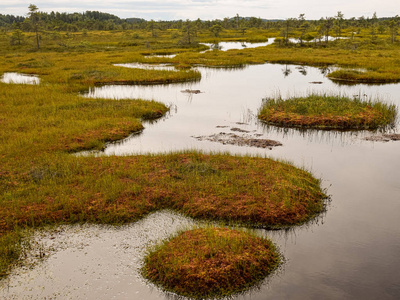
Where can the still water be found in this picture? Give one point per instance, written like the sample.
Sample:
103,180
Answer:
351,252
18,78
224,46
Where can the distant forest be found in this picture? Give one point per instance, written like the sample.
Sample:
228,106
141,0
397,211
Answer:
300,28
95,20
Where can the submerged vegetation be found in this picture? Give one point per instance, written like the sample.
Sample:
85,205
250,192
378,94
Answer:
41,125
211,262
327,112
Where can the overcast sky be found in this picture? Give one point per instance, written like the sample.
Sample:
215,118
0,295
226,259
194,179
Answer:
211,9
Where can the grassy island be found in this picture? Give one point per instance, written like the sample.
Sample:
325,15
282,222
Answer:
327,112
211,262
367,76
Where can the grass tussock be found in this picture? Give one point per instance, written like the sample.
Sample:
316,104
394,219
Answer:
327,112
211,262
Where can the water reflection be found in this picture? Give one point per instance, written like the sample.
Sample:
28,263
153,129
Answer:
286,71
166,67
325,70
224,46
302,70
229,96
91,261
18,78
161,55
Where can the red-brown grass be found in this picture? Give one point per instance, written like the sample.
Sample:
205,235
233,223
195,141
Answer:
211,262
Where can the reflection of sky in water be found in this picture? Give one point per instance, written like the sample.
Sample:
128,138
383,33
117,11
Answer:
352,252
18,78
161,55
224,46
165,67
228,97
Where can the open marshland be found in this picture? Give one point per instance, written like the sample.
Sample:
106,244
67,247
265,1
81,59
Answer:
348,251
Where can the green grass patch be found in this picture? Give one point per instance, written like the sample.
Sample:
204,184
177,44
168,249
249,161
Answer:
11,250
211,262
368,76
327,112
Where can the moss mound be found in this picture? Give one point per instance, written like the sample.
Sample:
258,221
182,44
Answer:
327,112
211,262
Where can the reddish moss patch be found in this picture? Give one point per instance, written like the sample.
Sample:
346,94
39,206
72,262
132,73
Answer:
211,262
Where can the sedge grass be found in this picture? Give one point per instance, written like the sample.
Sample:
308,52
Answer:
327,112
211,262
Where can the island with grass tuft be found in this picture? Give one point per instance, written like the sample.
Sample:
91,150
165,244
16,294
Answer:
211,262
324,111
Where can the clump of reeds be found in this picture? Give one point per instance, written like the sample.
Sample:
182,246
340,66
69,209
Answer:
328,112
211,262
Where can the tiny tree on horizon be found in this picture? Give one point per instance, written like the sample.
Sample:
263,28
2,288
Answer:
34,19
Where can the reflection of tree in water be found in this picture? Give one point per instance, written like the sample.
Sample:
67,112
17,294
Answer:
286,71
216,46
329,136
325,70
302,70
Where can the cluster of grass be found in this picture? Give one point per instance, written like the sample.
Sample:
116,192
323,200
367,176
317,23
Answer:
327,112
211,262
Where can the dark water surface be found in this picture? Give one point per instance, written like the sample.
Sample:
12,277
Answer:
351,252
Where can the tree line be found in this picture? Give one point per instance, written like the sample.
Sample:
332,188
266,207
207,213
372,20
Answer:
95,20
300,28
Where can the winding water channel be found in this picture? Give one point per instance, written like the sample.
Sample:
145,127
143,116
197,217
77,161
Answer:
351,252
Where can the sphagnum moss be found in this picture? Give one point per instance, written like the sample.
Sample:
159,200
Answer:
211,262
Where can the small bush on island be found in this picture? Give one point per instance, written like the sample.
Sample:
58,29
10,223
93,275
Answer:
211,262
327,112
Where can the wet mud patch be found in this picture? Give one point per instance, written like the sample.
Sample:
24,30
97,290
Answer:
239,130
246,139
384,137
